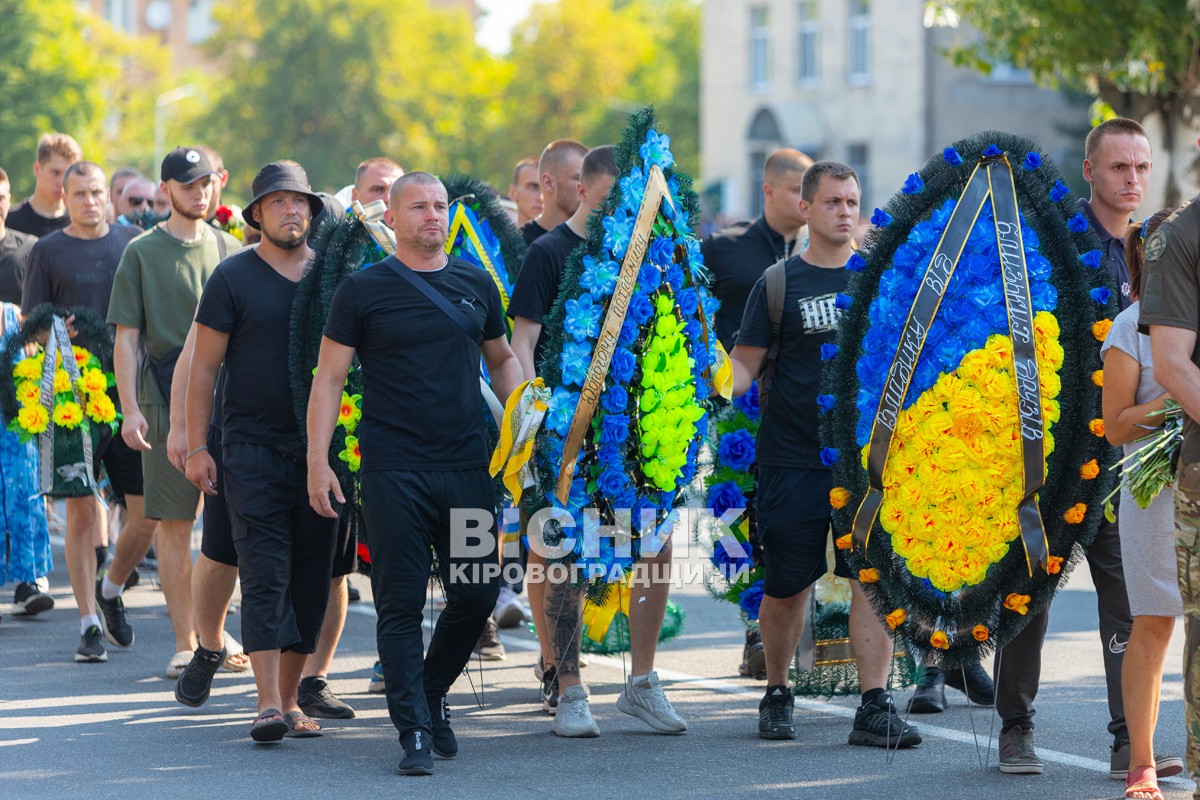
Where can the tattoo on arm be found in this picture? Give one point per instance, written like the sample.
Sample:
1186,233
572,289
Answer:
564,608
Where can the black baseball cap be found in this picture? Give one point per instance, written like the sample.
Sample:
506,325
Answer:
186,164
281,176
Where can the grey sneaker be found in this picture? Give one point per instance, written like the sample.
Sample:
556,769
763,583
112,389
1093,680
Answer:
573,719
31,599
1118,763
489,647
646,701
1017,756
91,646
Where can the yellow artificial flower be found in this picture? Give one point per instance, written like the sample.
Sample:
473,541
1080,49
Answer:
980,633
29,369
1098,378
1075,514
839,497
1054,565
843,542
1018,603
896,618
1090,470
1045,326
82,356
1101,328
939,640
62,381
100,408
93,381
33,419
68,415
1096,426
870,575
29,393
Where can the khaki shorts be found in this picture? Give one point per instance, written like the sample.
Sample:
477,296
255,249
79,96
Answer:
169,494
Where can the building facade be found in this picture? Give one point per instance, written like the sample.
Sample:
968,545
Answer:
859,81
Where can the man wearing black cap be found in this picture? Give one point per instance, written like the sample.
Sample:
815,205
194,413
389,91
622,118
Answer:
75,267
284,548
154,296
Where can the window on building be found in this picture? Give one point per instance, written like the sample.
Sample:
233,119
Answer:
858,55
858,156
808,64
120,14
200,25
760,47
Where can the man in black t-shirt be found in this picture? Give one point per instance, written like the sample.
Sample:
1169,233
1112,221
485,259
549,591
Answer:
14,249
418,322
558,172
75,267
793,485
45,212
284,549
525,191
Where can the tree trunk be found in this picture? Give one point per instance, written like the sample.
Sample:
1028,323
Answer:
1170,117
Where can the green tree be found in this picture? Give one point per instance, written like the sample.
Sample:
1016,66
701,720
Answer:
62,69
331,82
1141,58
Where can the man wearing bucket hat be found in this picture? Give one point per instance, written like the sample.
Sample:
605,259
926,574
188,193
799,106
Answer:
155,292
284,548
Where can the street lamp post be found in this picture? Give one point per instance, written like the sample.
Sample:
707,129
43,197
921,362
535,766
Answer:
160,105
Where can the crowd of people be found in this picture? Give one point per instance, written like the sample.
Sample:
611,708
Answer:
200,321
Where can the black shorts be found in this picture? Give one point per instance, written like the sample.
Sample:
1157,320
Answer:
793,528
345,553
216,543
285,549
123,466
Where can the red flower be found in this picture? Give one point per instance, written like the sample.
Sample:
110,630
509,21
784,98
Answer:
224,214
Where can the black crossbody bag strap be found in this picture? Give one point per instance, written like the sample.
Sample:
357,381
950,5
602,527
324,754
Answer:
775,279
469,330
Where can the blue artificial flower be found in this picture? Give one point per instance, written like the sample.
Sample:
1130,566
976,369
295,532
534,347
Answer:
842,301
730,555
1092,258
640,309
907,256
576,357
992,151
614,428
693,330
748,403
695,258
553,450
647,508
583,318
828,351
1059,191
614,399
826,402
1039,267
578,496
623,364
661,251
689,302
1045,296
656,150
599,277
724,496
674,277
941,215
913,184
736,450
611,484
618,230
561,411
830,456
1078,223
880,218
1032,161
633,187
856,263
649,278
610,457
629,333
951,157
750,600
1101,294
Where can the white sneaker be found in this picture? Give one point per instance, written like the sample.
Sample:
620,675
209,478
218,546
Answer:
508,613
646,701
574,718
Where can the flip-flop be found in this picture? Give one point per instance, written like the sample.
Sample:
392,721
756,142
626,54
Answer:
1142,781
236,659
266,729
179,663
294,718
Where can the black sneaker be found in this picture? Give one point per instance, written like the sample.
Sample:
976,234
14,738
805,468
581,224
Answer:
445,744
195,682
29,600
352,595
418,753
489,647
978,688
549,690
775,714
754,660
316,699
116,627
91,646
930,696
133,580
878,725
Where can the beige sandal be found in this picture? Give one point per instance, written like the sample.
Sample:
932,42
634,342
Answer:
179,663
236,659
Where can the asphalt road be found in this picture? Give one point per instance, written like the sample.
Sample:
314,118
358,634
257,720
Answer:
114,730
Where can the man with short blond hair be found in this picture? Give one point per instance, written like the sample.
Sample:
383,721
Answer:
525,191
373,178
45,211
558,174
